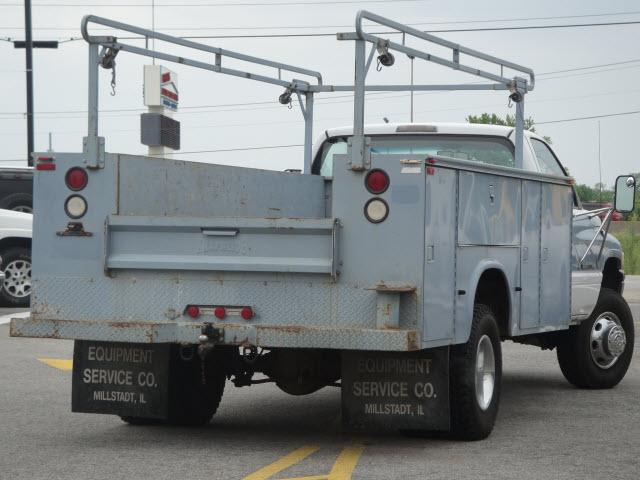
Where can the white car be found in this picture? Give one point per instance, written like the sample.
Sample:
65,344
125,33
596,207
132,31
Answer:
15,258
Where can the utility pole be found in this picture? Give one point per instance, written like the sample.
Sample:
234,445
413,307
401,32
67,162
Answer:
29,57
28,44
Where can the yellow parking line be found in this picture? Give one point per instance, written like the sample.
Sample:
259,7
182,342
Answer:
60,363
341,470
346,463
283,463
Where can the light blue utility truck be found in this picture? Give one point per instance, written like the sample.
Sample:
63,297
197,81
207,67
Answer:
392,266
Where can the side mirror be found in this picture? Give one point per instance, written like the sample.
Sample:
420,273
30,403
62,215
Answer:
625,197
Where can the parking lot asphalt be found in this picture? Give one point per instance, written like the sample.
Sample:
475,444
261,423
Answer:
546,429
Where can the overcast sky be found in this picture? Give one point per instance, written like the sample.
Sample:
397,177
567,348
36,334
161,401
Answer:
61,76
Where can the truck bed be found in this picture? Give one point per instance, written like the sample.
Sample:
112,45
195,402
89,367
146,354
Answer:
161,235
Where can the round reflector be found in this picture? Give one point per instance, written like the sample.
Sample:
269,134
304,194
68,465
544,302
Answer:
75,206
376,210
220,312
377,181
246,313
76,178
193,311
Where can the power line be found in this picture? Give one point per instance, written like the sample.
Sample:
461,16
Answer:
267,105
324,34
592,66
220,4
451,30
589,73
264,147
341,117
269,147
588,118
293,27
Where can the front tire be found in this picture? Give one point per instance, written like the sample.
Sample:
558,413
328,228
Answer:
475,378
597,353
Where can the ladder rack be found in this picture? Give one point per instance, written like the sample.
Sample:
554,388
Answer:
103,50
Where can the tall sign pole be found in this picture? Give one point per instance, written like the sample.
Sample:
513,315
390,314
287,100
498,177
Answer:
158,130
29,58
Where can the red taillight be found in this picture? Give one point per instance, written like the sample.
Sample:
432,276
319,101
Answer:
246,313
46,166
76,178
220,312
377,181
45,163
193,311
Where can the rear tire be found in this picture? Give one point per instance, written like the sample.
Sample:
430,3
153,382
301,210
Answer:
191,403
584,359
475,392
15,291
18,202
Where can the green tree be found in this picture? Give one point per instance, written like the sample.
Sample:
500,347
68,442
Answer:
509,121
586,193
594,194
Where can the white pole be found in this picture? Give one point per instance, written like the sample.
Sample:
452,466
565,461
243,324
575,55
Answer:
412,58
599,161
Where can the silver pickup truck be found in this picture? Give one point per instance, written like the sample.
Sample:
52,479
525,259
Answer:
392,266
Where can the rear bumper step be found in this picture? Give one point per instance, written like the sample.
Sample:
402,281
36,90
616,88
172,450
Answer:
283,336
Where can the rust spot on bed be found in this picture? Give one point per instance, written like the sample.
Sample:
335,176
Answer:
413,340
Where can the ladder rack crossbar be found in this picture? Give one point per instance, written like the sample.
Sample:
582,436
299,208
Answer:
457,49
104,41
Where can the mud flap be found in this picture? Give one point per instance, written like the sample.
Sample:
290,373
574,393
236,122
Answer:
396,390
126,379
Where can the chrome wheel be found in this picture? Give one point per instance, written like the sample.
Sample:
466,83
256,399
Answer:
485,372
17,281
608,340
22,208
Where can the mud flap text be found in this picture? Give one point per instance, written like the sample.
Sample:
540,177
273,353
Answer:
396,390
125,379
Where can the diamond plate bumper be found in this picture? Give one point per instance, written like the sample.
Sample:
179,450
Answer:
232,334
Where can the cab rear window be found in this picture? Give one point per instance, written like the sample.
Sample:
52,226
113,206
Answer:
482,149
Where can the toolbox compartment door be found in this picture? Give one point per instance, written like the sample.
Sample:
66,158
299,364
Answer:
294,245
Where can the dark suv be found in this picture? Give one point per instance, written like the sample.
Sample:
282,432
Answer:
16,189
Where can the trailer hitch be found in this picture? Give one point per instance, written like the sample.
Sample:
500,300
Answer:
209,336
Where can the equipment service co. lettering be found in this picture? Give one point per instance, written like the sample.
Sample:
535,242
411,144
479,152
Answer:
396,389
119,377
